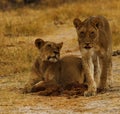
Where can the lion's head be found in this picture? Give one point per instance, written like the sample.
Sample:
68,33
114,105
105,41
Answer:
49,51
88,33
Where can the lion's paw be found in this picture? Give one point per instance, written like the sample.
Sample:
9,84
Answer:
89,93
26,90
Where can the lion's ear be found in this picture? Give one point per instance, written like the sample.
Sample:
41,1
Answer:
39,43
77,22
60,45
97,22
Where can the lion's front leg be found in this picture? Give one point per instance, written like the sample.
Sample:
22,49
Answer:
42,85
89,72
32,80
38,86
97,70
29,85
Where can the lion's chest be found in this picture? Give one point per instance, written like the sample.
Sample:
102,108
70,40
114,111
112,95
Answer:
51,71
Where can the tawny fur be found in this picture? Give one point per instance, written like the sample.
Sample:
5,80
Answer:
95,44
50,70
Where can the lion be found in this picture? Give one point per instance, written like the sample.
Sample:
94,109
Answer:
51,70
95,45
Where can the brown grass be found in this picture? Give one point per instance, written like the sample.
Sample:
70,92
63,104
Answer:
19,26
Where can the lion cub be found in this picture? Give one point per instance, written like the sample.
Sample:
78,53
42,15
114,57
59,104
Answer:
95,43
49,69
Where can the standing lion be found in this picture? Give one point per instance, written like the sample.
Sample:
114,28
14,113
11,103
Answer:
95,44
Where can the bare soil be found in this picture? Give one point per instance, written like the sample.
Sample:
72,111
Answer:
70,101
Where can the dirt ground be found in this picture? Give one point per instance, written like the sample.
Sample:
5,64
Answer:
12,101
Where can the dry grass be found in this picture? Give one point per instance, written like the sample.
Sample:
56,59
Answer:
19,26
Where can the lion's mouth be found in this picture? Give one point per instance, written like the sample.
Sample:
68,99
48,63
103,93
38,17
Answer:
87,47
52,58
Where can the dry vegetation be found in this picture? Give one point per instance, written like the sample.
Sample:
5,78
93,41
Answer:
20,24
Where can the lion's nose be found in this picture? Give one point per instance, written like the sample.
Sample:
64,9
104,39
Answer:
87,43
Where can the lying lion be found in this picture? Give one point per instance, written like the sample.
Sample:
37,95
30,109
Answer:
49,69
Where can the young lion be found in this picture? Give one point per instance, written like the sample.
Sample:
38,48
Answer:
49,69
95,43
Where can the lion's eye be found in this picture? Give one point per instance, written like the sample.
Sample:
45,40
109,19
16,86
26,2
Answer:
92,34
82,34
49,45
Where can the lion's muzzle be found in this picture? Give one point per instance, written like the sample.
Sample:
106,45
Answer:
87,46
